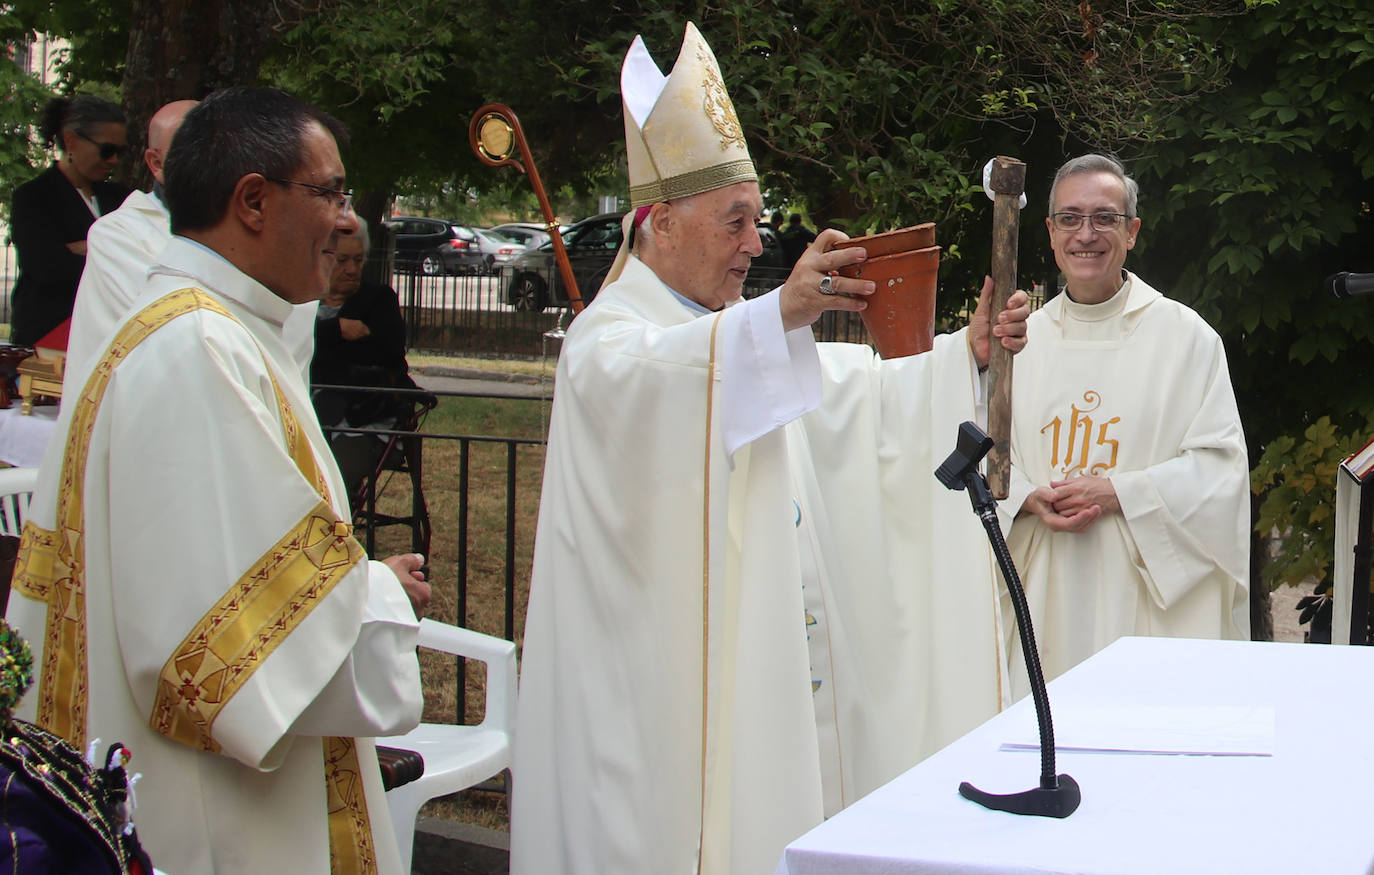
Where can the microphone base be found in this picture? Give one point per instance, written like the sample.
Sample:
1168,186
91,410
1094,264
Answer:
1060,801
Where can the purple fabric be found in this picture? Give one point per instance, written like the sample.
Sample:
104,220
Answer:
43,836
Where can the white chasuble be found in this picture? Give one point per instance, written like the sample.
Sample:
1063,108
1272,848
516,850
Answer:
1135,389
211,610
910,628
667,720
665,707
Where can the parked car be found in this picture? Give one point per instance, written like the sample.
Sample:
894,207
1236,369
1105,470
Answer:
435,246
528,234
497,249
536,282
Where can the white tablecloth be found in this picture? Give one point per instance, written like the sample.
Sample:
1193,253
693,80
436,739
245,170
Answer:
24,438
1304,809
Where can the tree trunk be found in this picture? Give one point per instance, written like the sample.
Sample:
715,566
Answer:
184,49
372,206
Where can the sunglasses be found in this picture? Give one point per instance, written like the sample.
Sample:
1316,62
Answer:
107,150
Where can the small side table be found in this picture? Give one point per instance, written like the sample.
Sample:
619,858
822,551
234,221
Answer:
40,376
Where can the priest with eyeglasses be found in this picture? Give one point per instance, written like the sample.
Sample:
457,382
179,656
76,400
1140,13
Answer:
1128,459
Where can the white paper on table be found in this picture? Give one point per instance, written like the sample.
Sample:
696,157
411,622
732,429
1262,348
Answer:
1202,730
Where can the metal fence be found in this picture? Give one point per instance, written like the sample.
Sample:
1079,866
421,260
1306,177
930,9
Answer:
454,526
469,313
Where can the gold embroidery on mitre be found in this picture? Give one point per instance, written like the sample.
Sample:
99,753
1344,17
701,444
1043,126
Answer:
351,851
695,182
54,561
247,624
716,101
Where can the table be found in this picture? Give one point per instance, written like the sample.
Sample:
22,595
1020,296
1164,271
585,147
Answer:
1304,809
24,438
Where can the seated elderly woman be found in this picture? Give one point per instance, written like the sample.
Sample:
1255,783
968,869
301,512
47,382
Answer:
359,341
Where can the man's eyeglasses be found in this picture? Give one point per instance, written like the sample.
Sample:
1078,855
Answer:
107,150
1100,221
343,200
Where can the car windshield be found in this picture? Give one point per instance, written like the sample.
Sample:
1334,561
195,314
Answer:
595,234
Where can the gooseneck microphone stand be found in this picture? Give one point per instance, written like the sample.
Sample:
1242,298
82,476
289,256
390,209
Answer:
1057,795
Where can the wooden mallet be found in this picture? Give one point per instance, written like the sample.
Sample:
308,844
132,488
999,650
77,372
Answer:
1008,182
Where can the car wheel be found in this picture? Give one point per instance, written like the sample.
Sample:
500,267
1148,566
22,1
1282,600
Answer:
431,265
527,294
488,266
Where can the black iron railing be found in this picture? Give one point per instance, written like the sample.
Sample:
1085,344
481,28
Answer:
453,531
470,312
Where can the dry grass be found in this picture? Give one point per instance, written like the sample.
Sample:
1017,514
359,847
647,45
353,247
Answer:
486,561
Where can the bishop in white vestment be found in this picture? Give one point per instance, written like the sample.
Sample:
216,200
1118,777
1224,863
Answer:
749,606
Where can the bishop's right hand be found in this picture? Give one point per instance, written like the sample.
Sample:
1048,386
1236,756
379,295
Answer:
802,299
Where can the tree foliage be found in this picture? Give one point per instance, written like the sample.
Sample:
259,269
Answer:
1246,121
1264,191
1297,475
881,115
21,98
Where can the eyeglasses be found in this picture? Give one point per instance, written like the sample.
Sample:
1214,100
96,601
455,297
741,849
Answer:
343,200
1100,221
107,150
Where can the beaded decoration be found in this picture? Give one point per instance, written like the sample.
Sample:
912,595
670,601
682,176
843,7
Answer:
89,795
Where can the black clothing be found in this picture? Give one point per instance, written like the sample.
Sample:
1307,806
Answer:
48,213
795,239
377,360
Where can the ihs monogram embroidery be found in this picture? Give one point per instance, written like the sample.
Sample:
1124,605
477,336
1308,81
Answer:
1080,439
717,104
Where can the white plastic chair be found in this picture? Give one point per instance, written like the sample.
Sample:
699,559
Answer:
16,488
456,756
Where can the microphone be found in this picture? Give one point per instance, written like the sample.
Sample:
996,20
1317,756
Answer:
1350,285
1057,795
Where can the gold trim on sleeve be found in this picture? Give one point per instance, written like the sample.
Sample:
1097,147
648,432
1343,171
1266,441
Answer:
248,623
33,566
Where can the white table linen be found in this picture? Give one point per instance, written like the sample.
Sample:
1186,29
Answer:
1304,809
24,438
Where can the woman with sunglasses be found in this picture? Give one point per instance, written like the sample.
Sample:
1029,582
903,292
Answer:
52,212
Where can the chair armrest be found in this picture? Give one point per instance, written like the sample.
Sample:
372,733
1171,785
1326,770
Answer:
17,480
497,653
